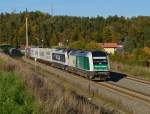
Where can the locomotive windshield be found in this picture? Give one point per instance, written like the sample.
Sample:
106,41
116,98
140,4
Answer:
99,54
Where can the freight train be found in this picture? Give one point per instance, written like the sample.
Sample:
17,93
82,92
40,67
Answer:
90,64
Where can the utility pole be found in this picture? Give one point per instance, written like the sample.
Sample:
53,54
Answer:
27,39
51,23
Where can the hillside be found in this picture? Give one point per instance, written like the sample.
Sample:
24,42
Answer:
132,32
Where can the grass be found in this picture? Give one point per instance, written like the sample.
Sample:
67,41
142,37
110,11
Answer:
52,95
59,99
132,70
106,106
14,97
1,61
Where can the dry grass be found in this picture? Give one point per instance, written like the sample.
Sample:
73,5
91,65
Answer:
14,96
57,100
53,97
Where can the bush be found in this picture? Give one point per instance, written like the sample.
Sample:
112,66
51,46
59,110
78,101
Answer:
85,45
137,57
132,70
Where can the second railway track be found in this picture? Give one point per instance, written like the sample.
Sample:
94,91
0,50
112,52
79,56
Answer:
134,78
131,93
139,80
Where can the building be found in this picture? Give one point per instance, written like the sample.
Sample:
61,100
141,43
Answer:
110,47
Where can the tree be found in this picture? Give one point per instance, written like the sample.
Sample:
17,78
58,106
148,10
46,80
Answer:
53,40
92,46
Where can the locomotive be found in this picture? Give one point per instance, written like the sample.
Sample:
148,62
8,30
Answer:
90,64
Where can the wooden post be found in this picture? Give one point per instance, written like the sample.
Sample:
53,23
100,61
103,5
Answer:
27,41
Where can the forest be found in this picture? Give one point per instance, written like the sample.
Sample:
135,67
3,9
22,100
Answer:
77,32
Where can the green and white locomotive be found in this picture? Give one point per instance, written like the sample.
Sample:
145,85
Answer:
90,64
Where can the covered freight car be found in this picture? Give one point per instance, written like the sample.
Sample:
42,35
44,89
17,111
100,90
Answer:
44,54
15,52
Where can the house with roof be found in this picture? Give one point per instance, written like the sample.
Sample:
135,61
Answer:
110,47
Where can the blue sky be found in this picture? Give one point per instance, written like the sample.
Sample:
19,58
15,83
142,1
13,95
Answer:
80,7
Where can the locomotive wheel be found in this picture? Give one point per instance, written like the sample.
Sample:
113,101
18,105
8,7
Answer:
103,77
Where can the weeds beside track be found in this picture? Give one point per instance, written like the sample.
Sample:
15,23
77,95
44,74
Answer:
52,96
46,70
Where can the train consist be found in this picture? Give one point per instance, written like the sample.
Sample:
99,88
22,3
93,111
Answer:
91,64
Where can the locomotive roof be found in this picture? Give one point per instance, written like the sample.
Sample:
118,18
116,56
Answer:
85,53
62,50
79,53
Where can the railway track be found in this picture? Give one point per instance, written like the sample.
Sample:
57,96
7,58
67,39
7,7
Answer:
127,91
114,87
139,80
134,78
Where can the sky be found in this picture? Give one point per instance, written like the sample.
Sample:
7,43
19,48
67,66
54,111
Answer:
91,8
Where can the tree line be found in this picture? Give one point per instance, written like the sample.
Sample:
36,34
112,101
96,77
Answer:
48,30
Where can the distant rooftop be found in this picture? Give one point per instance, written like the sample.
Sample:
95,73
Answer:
109,45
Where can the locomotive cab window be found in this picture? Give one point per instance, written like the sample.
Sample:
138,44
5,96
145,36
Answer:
98,54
